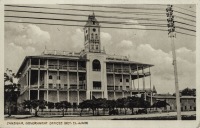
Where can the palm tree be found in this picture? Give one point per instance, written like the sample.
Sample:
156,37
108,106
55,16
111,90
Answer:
11,90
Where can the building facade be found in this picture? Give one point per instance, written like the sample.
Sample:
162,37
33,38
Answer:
76,76
188,103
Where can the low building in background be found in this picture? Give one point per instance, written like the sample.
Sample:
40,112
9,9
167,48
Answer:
188,103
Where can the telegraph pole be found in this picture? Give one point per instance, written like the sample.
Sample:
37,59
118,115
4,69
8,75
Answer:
172,34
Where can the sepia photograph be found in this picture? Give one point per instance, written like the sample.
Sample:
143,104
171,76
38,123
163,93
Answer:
99,62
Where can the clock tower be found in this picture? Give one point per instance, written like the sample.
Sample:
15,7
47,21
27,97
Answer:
92,35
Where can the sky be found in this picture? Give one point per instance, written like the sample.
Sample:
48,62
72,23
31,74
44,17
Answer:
152,47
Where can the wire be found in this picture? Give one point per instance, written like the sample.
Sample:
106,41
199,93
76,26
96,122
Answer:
106,22
184,18
101,27
114,17
185,23
185,28
118,7
184,13
185,33
84,26
184,9
121,12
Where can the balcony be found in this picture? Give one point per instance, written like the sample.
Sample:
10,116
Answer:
53,66
72,68
82,87
110,87
97,88
73,87
118,70
61,67
38,66
33,86
81,68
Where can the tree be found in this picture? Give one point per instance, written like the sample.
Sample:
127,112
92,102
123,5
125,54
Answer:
50,105
11,91
34,104
122,104
84,105
188,92
132,102
63,105
91,104
160,104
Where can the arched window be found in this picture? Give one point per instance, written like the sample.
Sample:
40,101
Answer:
96,65
50,76
92,36
96,37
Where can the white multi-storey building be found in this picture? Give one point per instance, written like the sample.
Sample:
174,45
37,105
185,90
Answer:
75,76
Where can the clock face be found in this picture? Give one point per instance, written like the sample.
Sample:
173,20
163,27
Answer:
94,30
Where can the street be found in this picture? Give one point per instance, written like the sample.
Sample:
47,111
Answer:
114,117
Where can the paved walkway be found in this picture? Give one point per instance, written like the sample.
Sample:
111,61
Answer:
28,117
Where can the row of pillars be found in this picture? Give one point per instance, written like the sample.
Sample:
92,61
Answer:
78,81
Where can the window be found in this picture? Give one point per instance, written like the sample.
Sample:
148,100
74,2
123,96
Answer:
50,85
92,46
93,22
92,35
65,86
120,80
127,80
185,107
58,86
96,47
96,37
97,85
50,77
96,65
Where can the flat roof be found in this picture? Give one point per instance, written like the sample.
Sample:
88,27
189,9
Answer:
173,97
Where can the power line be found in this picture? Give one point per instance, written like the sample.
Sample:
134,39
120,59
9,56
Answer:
185,33
118,7
185,28
184,9
121,12
106,22
101,27
184,13
115,17
84,26
184,18
185,23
